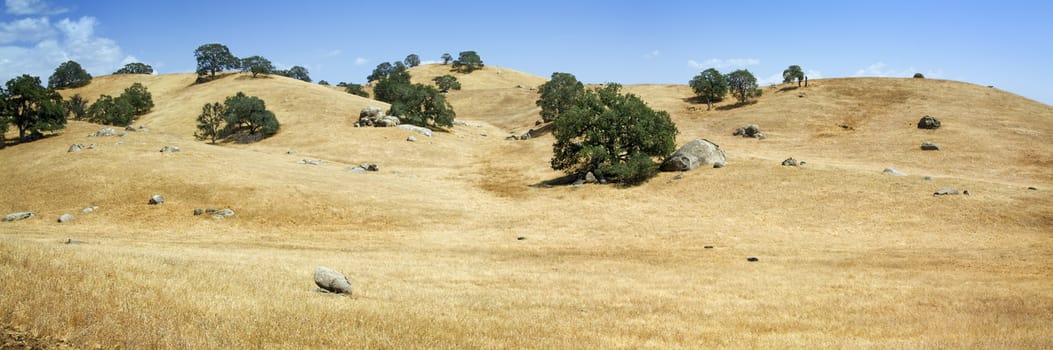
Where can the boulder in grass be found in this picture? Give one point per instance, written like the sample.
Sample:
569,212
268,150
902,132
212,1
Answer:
929,146
19,216
420,130
331,280
169,149
928,122
693,154
893,172
157,199
790,162
75,148
65,218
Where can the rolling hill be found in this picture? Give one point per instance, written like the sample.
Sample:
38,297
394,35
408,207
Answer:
455,242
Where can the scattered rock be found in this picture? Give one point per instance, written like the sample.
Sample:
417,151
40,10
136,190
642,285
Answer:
157,199
411,138
790,162
929,146
927,178
751,130
590,178
198,211
1032,188
678,176
708,247
357,170
89,210
169,149
331,281
760,136
222,213
105,132
520,238
694,154
893,172
752,259
91,146
75,148
73,241
129,128
416,129
374,116
312,161
948,192
928,122
290,152
370,166
65,218
19,216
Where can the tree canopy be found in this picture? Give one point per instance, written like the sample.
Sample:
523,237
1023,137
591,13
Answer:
135,68
743,85
710,86
422,105
614,135
212,58
69,74
210,122
389,79
792,73
412,60
557,95
256,65
446,58
248,114
121,110
356,89
298,73
447,82
467,62
31,108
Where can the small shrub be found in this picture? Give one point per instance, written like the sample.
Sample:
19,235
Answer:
919,76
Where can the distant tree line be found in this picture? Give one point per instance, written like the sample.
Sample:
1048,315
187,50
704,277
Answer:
214,58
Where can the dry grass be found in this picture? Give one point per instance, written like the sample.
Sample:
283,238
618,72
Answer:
849,258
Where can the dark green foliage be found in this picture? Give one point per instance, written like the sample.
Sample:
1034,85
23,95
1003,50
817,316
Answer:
323,83
919,76
412,60
743,85
421,105
356,89
390,79
614,135
249,115
710,86
212,58
468,62
256,65
210,121
77,106
135,68
32,108
396,70
446,83
792,73
557,95
139,98
69,75
446,58
121,110
298,73
111,111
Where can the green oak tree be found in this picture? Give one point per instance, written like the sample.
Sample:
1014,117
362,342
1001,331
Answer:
467,62
557,95
743,85
710,86
792,73
212,58
69,74
32,108
135,68
446,82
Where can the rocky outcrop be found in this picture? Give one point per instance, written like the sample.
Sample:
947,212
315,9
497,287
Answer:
169,149
694,154
156,200
108,132
928,122
374,116
751,130
416,129
790,162
929,146
331,280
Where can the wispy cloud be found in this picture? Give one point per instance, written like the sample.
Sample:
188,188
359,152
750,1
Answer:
26,30
723,63
360,61
652,54
36,46
880,69
30,7
333,53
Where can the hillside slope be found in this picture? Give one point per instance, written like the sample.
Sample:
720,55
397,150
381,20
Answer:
457,243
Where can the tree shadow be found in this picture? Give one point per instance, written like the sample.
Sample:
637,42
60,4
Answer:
564,180
788,88
736,105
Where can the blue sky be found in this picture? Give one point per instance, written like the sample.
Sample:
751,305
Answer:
1002,43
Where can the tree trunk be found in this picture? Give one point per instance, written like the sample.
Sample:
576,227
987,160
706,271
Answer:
709,104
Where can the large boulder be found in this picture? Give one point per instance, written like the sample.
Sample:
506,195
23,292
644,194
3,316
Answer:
928,122
331,280
75,147
375,116
751,130
19,216
65,218
157,200
694,154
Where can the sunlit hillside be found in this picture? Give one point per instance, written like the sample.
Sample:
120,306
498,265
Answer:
456,242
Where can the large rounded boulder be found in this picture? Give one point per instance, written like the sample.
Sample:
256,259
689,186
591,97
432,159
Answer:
694,154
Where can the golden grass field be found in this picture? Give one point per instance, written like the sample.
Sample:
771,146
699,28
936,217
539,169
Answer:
848,257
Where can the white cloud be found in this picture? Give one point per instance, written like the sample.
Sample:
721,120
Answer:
360,61
771,79
26,30
42,47
723,63
30,7
813,74
880,69
334,53
652,54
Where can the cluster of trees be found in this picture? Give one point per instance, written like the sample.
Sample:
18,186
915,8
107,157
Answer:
711,86
615,136
213,58
69,74
135,68
416,104
122,110
467,62
240,114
